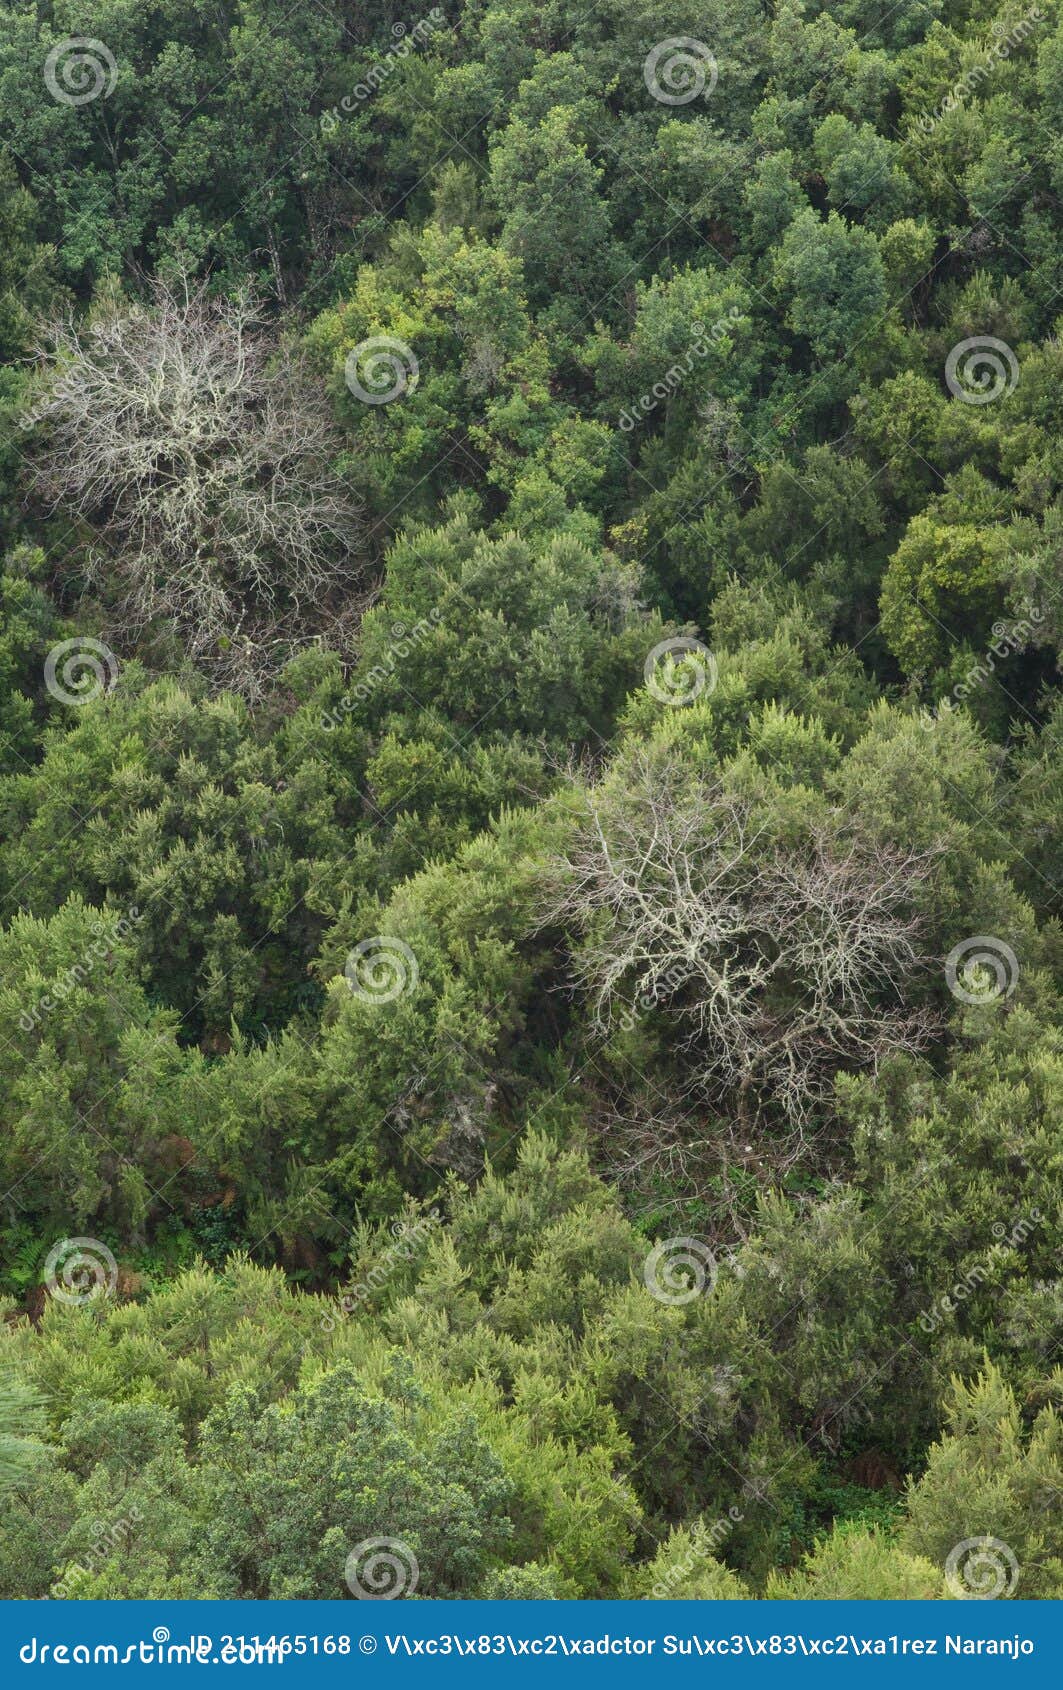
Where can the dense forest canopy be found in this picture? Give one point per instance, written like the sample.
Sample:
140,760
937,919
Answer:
531,757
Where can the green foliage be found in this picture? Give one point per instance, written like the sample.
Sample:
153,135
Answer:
859,1566
709,546
21,1419
988,1478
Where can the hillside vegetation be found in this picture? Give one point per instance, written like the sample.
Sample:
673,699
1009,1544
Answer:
531,765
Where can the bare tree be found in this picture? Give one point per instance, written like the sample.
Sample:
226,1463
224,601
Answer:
780,963
199,452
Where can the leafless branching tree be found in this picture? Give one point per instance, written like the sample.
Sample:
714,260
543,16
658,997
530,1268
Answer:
199,452
780,963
